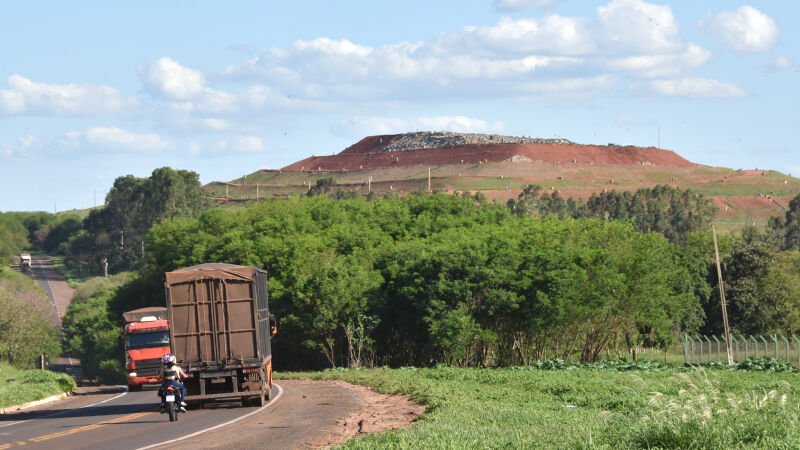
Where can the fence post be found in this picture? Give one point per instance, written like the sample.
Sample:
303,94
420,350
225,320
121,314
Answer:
756,344
736,347
709,347
718,350
774,338
786,341
766,345
745,347
700,342
797,341
685,349
691,344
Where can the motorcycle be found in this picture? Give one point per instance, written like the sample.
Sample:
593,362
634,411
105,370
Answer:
171,401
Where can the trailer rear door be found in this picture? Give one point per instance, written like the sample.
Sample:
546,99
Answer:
213,316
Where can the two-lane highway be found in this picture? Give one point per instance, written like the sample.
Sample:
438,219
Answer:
127,420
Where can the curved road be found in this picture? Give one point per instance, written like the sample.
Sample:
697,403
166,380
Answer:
120,420
301,414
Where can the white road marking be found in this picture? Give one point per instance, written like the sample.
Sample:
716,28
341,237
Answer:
271,402
67,411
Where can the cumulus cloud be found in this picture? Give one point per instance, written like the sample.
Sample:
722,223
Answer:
375,125
522,5
691,88
512,58
169,78
23,96
113,138
744,29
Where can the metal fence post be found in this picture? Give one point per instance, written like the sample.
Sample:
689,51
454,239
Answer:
797,341
745,347
691,343
766,345
735,347
700,342
774,338
786,341
756,344
718,350
709,347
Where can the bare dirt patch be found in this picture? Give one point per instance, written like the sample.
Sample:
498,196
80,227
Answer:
380,413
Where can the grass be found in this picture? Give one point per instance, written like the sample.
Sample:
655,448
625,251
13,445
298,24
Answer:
74,278
605,406
19,386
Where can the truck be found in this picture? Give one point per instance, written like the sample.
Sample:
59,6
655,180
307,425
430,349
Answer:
221,331
146,334
25,261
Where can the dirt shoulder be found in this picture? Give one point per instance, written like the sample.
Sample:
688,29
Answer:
313,414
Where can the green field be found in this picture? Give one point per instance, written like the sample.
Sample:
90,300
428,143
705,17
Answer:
21,386
616,407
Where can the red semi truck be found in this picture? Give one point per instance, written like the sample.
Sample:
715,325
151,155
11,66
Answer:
146,341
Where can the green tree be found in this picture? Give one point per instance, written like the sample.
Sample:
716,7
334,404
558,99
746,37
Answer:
24,332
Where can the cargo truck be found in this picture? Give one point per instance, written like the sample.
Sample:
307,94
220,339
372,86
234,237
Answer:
25,261
220,330
146,336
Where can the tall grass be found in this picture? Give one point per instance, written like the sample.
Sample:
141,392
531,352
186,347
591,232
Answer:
602,406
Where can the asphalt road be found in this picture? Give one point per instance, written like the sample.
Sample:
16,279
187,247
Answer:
119,420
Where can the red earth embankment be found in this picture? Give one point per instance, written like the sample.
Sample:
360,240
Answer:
363,155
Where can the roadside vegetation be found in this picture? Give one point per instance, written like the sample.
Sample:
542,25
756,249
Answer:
24,332
558,405
19,386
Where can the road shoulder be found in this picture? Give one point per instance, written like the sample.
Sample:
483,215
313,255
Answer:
312,414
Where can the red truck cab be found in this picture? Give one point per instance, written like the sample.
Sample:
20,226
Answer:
146,341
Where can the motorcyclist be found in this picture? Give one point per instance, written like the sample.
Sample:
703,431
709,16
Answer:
171,374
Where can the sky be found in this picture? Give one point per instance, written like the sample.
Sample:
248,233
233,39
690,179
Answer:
90,91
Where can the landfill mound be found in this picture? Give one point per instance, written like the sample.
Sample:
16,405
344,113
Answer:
444,147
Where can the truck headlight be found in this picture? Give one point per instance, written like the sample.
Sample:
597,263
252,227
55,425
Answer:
132,374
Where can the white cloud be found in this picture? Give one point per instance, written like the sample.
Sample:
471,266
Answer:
375,125
23,96
783,63
169,78
691,88
239,144
522,5
744,29
550,56
113,138
21,150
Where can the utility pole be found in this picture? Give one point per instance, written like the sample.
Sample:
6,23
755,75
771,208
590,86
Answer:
429,180
256,192
122,240
142,248
722,299
369,184
105,267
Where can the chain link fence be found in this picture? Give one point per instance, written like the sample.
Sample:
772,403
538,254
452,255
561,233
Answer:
699,349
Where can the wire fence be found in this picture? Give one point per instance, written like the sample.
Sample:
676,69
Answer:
703,349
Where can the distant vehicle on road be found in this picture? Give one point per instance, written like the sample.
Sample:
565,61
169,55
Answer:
220,330
146,341
25,261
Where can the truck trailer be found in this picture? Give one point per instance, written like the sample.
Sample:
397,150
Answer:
25,261
146,336
220,330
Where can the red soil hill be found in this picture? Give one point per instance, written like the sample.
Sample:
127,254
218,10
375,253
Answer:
366,154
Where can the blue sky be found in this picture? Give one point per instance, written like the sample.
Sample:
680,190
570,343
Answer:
90,91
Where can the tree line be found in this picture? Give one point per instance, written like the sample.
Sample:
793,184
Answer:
436,278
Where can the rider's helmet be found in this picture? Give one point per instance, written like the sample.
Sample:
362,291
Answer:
168,359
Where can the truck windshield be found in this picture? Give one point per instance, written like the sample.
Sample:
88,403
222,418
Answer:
158,339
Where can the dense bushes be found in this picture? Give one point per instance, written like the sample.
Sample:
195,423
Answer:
440,279
24,332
